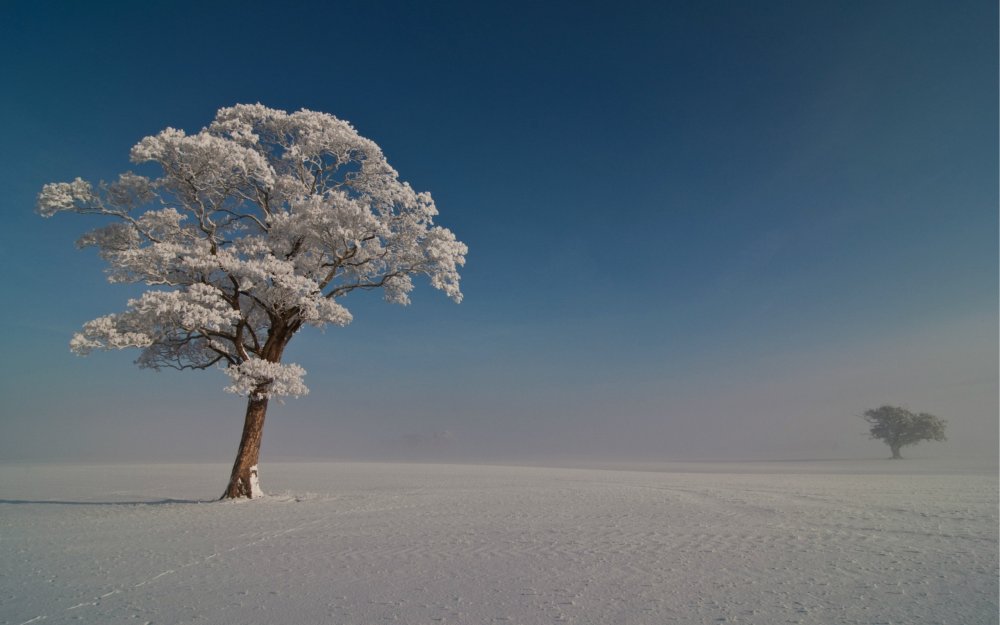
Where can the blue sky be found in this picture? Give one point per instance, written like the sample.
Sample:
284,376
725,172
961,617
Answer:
695,229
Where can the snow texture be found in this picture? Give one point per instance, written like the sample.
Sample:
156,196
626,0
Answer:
816,543
255,490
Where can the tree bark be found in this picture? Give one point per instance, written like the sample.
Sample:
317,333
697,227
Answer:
895,452
243,481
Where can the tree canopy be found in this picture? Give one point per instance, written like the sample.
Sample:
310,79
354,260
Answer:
263,219
898,427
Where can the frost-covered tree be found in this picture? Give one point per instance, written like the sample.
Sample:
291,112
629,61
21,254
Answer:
255,226
898,427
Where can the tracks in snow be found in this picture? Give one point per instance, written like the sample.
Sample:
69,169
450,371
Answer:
495,545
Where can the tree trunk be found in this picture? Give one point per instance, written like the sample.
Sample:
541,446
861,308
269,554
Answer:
243,481
895,452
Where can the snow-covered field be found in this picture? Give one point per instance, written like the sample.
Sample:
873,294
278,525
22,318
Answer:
913,541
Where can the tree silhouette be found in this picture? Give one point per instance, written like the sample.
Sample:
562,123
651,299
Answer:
898,427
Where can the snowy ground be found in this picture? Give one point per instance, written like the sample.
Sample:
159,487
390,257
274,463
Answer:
911,542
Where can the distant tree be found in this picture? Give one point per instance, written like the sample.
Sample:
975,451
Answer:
259,224
898,427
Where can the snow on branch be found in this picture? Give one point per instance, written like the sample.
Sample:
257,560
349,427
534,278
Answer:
160,317
259,378
64,196
257,225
